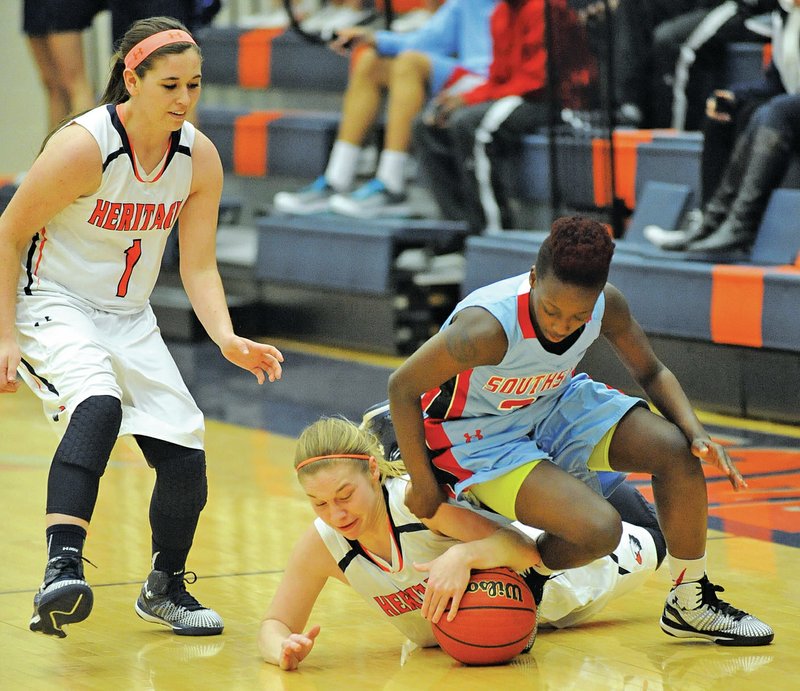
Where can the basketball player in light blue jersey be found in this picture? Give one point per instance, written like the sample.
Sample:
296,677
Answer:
491,405
409,570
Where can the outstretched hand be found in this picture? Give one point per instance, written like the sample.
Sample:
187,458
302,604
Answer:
262,360
713,453
296,648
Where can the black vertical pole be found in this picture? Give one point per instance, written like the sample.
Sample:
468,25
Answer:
618,210
554,114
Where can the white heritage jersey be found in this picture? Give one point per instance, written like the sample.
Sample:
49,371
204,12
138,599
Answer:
393,589
396,589
106,248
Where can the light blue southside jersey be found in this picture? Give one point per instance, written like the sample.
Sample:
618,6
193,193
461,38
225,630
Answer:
491,419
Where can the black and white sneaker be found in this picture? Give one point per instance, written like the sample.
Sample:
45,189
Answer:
63,598
693,610
378,420
535,582
165,600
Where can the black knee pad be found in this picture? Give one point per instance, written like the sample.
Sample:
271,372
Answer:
91,434
181,488
82,456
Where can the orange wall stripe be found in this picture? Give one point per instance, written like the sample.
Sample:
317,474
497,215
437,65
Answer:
251,141
625,143
737,303
255,57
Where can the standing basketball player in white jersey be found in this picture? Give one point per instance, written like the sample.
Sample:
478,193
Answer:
408,570
80,250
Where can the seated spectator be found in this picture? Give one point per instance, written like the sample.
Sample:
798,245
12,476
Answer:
649,37
731,217
462,139
455,44
762,145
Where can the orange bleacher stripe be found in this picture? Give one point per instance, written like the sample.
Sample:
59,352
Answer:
625,143
402,6
251,141
255,55
766,55
737,302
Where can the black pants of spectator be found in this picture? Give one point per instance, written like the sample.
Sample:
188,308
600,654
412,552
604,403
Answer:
758,164
463,162
720,137
705,74
126,12
634,27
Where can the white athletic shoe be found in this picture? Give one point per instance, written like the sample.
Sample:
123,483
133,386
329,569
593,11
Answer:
693,610
312,199
371,200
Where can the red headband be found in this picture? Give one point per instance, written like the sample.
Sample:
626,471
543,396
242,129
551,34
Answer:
152,43
357,456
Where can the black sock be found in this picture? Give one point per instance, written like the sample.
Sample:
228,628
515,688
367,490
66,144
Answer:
173,561
65,539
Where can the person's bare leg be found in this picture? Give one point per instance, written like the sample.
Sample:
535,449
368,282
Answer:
589,529
57,107
408,82
66,49
363,97
647,443
52,519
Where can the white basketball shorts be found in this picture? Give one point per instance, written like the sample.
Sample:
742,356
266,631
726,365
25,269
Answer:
72,351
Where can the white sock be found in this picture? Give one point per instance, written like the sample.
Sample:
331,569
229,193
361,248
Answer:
686,570
341,169
392,170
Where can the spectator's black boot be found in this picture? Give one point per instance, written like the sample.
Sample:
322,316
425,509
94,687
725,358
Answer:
760,169
702,225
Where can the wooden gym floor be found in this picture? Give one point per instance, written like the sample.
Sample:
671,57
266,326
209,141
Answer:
256,511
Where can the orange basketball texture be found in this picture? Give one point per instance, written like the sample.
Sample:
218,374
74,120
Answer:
495,619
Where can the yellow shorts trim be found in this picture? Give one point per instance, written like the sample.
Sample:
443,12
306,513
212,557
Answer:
500,494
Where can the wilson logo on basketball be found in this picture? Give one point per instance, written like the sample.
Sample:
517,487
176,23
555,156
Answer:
509,591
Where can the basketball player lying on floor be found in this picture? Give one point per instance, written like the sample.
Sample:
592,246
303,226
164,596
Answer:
409,570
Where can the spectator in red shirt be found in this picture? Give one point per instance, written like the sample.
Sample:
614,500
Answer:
461,139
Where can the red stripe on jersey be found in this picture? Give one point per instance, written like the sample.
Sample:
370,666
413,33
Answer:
40,253
447,462
136,169
435,436
429,397
524,314
164,158
377,561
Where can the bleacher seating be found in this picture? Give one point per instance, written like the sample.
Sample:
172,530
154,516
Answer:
727,330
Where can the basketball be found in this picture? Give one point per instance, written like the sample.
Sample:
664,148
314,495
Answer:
495,619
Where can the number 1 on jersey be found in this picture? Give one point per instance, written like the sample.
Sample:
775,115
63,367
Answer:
132,255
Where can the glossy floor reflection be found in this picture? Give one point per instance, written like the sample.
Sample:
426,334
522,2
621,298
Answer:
256,511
